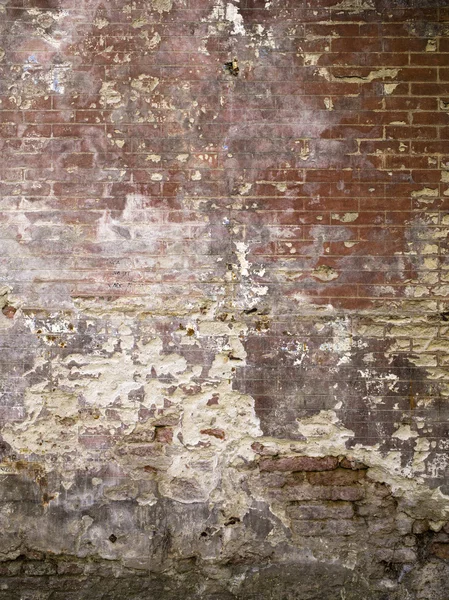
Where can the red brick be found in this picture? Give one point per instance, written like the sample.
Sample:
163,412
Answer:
430,118
417,74
357,44
430,89
48,116
336,477
217,433
401,44
299,463
440,550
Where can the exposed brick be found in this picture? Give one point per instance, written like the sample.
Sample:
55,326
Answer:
224,298
440,550
324,510
218,433
299,463
336,477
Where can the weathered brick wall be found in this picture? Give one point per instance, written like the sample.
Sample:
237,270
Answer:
224,295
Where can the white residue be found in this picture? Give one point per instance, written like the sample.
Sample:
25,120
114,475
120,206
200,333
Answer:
242,251
233,16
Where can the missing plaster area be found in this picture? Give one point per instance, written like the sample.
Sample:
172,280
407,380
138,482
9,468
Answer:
232,67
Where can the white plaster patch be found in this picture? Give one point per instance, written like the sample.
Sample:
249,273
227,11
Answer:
245,188
425,192
342,342
311,58
109,96
242,251
328,103
234,17
346,217
144,85
389,88
162,6
404,433
372,75
153,158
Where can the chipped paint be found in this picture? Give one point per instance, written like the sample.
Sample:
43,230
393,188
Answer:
371,76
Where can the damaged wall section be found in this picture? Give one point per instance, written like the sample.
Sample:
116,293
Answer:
224,316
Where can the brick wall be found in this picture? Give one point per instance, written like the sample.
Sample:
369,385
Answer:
224,299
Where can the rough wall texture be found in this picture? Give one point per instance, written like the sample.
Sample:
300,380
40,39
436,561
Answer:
224,299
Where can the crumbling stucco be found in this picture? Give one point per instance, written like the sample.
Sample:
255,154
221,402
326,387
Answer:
224,312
